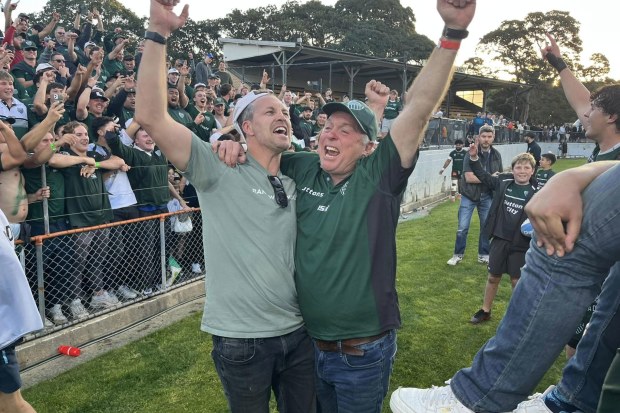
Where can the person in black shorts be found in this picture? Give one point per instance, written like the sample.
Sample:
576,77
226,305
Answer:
503,225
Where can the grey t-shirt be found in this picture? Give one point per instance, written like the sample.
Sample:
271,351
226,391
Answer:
249,243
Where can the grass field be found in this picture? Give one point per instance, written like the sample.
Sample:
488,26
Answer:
171,370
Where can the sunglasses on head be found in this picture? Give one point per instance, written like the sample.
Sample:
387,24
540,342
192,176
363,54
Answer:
278,191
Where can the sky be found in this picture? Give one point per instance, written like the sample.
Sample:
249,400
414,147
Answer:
597,28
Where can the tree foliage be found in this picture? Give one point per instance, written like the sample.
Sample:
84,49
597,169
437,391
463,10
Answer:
380,28
516,45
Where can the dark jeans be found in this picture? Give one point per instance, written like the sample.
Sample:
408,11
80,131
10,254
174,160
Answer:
125,247
249,368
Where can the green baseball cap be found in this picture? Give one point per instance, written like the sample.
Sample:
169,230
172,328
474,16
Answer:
362,114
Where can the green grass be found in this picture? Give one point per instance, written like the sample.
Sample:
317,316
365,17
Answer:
171,370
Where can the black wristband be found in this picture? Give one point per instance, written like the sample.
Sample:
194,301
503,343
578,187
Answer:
454,34
154,36
557,62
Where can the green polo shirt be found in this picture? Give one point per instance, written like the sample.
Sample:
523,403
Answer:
345,256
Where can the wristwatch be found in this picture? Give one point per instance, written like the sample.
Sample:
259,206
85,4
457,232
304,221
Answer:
154,36
454,34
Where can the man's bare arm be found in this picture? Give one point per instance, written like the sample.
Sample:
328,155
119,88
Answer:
430,85
576,93
171,137
558,205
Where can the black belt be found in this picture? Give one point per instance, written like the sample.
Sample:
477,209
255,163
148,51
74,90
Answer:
348,346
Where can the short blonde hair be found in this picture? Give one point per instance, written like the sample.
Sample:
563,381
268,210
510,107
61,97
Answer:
523,158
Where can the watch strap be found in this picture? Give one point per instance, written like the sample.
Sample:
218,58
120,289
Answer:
454,34
154,36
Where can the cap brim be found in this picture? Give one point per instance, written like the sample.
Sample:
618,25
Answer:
334,107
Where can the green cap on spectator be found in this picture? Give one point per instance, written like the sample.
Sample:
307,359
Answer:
362,114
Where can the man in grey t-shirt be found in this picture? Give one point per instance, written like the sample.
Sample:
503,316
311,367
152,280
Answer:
259,340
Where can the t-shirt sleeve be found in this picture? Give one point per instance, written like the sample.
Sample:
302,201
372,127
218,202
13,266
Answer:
204,167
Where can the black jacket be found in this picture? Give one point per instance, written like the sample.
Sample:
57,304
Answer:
499,184
473,191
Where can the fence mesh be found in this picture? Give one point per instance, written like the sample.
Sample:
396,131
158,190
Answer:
82,273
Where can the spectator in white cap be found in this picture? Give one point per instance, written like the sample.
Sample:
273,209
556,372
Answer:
251,295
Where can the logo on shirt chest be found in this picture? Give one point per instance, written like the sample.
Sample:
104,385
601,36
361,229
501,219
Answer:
311,192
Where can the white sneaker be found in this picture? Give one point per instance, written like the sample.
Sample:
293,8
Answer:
126,293
433,400
483,259
77,309
57,316
47,323
196,268
103,300
455,259
535,403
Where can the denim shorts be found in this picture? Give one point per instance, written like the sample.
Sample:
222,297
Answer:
10,381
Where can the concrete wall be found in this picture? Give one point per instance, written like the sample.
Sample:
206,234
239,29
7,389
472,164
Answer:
574,149
426,185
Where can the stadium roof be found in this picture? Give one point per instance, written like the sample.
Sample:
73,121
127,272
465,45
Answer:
301,66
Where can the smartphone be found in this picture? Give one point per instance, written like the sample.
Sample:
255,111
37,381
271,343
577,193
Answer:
57,97
83,8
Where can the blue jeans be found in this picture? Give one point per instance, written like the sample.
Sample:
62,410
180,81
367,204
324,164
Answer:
355,384
584,374
546,307
466,210
249,368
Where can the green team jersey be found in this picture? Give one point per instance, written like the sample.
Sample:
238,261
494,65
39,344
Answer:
24,71
345,255
542,176
87,201
56,201
148,174
392,109
181,116
205,129
514,201
457,162
611,155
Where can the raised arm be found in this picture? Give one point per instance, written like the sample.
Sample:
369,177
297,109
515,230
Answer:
576,93
430,85
171,137
556,210
32,139
15,155
50,26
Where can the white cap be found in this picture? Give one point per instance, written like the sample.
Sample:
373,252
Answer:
243,103
43,66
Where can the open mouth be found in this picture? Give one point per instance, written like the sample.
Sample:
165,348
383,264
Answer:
281,130
331,151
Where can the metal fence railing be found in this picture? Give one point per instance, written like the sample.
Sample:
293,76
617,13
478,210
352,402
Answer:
88,271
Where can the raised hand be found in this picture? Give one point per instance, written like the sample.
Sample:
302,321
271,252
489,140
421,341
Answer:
456,14
163,20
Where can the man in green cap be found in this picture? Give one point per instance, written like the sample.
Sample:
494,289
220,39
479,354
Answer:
348,203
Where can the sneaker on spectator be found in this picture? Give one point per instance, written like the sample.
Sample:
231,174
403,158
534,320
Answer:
483,259
147,291
480,316
196,268
113,297
535,403
456,258
103,300
47,323
57,316
77,309
126,293
435,399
